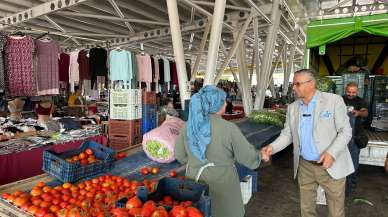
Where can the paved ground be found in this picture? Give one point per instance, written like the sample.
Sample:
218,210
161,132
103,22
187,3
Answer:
278,193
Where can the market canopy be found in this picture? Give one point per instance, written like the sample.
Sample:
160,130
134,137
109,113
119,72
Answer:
321,32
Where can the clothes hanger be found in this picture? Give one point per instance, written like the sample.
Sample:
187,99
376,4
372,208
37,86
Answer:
18,33
142,49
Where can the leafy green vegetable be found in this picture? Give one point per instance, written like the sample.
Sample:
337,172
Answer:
156,150
267,117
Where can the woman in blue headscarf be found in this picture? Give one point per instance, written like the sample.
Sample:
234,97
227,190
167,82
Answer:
210,146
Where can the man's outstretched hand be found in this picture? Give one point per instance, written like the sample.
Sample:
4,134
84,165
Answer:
266,153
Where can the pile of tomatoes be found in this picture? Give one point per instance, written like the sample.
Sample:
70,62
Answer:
95,197
86,157
155,170
134,207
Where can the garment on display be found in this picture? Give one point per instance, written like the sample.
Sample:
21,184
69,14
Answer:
73,70
20,75
120,62
46,66
98,64
2,69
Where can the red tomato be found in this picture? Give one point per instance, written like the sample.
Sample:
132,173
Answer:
134,202
178,211
144,171
160,212
135,211
89,151
148,208
155,170
172,173
193,212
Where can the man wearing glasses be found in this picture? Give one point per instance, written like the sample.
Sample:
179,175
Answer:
318,126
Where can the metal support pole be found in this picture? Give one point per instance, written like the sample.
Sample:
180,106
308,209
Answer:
268,54
232,51
306,64
253,5
52,22
214,43
290,67
252,65
121,15
243,74
178,50
201,49
231,69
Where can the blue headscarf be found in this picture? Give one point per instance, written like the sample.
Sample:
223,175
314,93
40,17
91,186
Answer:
208,100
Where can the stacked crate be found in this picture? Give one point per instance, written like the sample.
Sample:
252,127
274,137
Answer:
149,112
125,118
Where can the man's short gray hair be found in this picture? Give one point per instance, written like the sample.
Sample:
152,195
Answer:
310,72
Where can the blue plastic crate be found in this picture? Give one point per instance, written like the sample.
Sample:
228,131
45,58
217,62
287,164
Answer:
148,124
243,172
55,164
180,190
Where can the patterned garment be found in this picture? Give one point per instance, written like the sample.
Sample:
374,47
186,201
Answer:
2,64
47,55
21,77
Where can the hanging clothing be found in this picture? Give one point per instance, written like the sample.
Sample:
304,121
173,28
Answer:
161,71
157,77
153,68
98,60
144,68
120,63
174,75
188,70
134,80
167,73
19,57
73,70
2,63
64,62
47,71
84,66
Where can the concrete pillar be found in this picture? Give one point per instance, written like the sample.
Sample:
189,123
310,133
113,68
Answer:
178,50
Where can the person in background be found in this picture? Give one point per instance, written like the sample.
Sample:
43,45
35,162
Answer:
353,67
318,127
359,110
75,98
229,106
210,146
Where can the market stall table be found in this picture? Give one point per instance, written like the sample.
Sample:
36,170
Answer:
24,164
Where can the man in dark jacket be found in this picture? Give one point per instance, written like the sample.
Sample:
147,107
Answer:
359,110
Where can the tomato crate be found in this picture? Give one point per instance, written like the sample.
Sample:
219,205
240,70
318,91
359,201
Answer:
119,143
124,127
179,190
55,164
149,98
